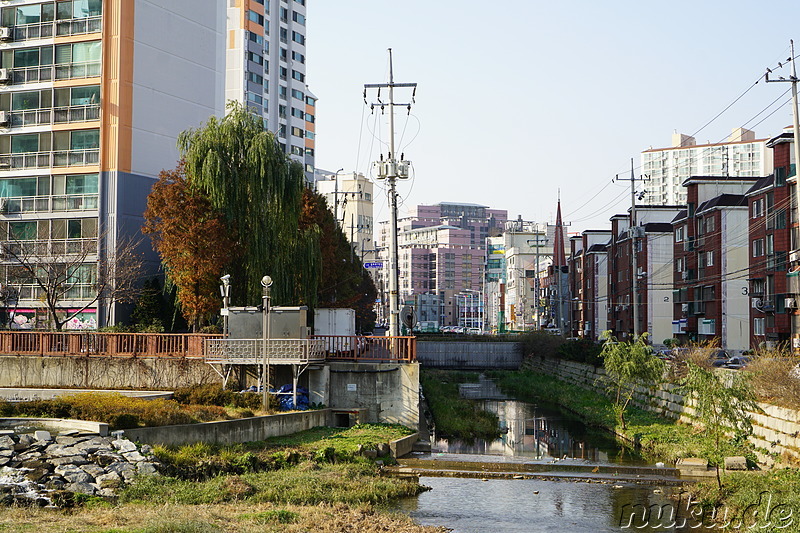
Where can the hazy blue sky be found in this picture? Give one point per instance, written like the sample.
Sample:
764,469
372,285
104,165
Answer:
517,99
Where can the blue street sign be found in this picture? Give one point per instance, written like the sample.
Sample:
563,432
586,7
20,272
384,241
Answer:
373,265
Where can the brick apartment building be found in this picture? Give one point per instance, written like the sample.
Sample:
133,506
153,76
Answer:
711,250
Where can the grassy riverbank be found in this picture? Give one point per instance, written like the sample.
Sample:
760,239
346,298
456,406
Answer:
312,481
454,416
661,439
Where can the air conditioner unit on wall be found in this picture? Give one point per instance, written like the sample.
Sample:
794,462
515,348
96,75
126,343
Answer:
4,118
684,307
755,303
6,33
5,75
790,303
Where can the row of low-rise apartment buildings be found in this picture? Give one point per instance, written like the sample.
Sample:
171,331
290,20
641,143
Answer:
715,267
93,94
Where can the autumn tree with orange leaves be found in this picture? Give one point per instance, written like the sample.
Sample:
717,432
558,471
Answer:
193,241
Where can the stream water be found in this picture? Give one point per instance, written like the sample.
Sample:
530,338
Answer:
538,433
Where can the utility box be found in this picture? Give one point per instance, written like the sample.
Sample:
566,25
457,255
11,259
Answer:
337,322
284,323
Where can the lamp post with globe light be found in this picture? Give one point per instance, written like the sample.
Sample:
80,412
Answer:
266,283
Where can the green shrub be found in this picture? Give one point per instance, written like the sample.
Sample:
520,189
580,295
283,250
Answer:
540,344
581,351
213,394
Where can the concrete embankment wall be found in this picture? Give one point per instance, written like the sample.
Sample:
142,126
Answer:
151,373
232,431
469,355
387,392
776,431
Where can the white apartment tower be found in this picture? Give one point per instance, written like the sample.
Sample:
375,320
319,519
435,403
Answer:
93,94
667,168
349,197
266,69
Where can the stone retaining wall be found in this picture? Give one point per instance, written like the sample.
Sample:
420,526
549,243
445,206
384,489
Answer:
776,431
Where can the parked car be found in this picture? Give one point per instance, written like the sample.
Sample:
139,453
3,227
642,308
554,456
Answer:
473,331
735,363
719,358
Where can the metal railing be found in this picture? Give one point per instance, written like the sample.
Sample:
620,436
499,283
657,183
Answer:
44,204
50,248
251,351
211,348
55,115
365,349
82,343
58,158
62,71
44,30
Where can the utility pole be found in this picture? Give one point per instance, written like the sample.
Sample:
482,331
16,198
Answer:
793,80
391,169
633,231
336,198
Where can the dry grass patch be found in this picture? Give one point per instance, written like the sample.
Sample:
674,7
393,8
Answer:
776,376
323,518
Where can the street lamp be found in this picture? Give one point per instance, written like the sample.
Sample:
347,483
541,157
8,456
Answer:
266,283
225,291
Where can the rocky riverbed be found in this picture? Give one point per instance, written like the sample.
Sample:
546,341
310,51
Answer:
38,469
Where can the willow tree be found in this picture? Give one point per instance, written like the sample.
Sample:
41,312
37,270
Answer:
239,165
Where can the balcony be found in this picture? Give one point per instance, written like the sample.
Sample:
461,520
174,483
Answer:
53,248
46,30
65,71
54,115
47,204
59,158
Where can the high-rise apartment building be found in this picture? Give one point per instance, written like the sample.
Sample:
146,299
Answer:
93,94
667,168
349,197
266,69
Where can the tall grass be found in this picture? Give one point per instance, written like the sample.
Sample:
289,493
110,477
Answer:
454,416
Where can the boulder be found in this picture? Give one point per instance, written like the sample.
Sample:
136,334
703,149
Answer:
133,457
106,458
111,480
82,488
93,470
76,460
42,435
37,475
73,474
6,442
124,445
147,468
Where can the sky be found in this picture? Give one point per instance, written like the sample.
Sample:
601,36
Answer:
522,100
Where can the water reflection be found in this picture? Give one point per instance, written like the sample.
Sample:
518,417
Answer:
535,432
500,506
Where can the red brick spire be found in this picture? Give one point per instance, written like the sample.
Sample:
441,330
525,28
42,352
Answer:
559,257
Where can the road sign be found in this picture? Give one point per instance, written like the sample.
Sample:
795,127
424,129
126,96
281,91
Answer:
373,265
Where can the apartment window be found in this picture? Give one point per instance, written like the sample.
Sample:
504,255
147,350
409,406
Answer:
255,78
284,72
78,184
309,134
710,258
310,118
298,94
21,144
297,56
769,244
266,67
83,139
758,326
679,264
255,98
301,2
282,92
758,247
78,53
282,133
300,19
17,187
283,54
367,197
311,101
297,150
680,233
21,15
309,167
298,113
256,38
757,208
310,153
284,35
298,38
79,9
252,16
255,58
299,76
297,132
284,13
22,231
282,111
